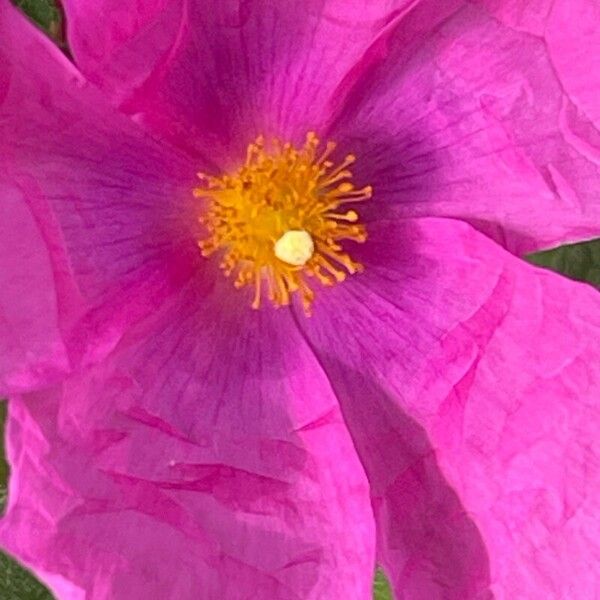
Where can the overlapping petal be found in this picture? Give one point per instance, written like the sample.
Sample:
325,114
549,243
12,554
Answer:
470,383
98,221
572,35
215,74
31,347
484,118
206,457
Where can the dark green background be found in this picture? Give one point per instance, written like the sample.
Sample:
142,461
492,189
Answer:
578,261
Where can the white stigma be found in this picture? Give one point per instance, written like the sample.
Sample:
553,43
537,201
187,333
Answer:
295,247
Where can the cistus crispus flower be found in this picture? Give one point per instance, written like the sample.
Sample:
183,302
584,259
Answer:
264,320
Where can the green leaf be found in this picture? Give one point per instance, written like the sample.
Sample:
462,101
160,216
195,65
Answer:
46,14
381,587
18,584
3,463
577,261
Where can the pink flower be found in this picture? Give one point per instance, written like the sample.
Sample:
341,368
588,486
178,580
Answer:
439,412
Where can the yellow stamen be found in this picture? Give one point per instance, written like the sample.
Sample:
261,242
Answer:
278,220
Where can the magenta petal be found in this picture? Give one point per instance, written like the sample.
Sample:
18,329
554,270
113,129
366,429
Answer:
470,383
571,31
573,34
98,220
205,458
213,74
31,346
486,119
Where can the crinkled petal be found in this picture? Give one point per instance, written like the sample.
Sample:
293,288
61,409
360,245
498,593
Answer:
572,34
214,74
470,383
205,458
31,346
97,219
485,118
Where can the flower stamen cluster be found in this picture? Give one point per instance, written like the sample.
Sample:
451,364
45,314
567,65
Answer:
280,220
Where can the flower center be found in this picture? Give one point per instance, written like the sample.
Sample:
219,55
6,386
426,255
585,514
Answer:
280,218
